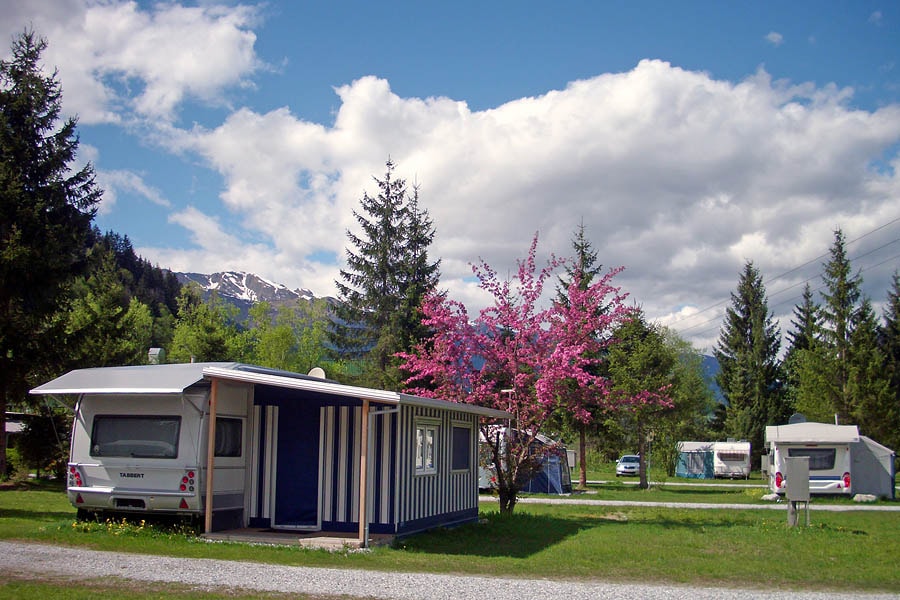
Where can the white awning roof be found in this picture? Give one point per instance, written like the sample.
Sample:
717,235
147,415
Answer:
146,379
282,379
812,433
175,378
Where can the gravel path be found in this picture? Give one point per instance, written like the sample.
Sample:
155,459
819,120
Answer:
782,506
78,563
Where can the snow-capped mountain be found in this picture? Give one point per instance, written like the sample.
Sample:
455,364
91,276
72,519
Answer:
245,289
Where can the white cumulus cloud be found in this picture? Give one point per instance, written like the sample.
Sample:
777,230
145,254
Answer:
118,60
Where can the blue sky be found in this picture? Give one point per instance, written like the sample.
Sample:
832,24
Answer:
687,137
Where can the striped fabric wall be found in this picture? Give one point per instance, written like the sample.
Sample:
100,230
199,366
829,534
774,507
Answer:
263,442
341,432
397,494
422,497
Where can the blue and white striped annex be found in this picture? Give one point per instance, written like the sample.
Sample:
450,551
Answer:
320,449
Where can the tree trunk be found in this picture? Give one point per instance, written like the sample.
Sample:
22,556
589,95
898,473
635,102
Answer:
507,501
582,457
3,406
642,451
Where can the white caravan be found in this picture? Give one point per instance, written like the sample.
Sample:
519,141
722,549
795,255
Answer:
731,459
828,448
139,440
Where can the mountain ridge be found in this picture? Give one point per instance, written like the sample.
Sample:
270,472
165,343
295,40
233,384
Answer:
244,289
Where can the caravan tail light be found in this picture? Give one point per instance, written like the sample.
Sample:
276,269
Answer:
779,480
75,477
188,481
846,481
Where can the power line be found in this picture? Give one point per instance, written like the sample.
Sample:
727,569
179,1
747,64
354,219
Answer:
895,257
788,272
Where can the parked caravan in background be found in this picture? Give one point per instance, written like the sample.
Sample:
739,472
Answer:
731,459
708,460
826,446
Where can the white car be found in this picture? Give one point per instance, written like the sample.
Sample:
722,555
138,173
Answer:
630,464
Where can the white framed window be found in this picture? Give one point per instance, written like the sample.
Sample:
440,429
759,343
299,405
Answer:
426,448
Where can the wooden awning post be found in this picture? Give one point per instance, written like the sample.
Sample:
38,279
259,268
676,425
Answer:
363,477
210,456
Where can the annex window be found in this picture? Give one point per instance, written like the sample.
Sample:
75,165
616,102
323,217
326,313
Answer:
426,448
695,462
228,437
130,436
461,455
820,459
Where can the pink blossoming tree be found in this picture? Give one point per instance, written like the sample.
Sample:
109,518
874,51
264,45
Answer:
518,357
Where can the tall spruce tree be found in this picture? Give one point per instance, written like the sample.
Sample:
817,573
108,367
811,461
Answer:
841,298
46,208
418,276
868,381
388,274
890,345
747,352
582,268
803,338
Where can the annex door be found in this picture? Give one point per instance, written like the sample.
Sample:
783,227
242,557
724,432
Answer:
297,504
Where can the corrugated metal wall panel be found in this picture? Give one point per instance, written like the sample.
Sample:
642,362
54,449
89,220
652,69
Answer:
444,492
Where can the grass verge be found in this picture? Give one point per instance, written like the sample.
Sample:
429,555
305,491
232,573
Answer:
848,551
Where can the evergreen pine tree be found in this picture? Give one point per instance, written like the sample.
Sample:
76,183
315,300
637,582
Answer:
418,275
104,325
583,268
387,276
46,209
747,352
868,380
889,341
804,339
841,297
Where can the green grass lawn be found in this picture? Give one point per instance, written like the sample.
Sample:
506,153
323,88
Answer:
738,548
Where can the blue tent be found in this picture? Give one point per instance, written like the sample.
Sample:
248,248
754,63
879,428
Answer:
695,460
554,476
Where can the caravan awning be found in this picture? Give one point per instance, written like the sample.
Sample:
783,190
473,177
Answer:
812,433
284,379
175,378
147,379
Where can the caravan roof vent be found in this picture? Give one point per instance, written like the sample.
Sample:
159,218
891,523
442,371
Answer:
797,418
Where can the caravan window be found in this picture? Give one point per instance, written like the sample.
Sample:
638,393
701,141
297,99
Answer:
228,437
732,455
135,436
820,459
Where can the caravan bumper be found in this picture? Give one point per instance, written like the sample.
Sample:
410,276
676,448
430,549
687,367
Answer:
111,499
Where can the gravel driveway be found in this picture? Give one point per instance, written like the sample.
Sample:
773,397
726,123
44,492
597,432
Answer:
78,563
